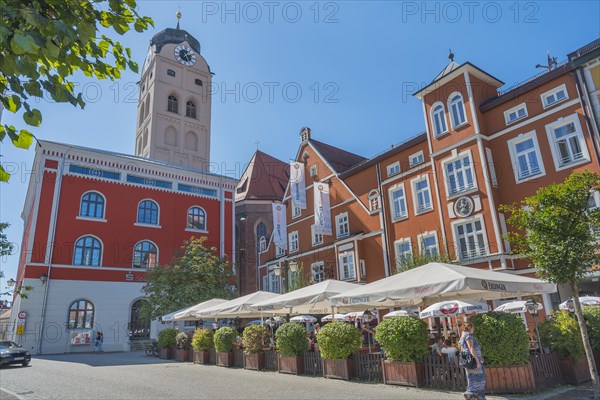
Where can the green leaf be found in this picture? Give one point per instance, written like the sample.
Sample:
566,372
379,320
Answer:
12,103
4,176
24,139
33,117
22,44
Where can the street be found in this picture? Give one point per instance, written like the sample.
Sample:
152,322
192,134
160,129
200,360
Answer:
136,376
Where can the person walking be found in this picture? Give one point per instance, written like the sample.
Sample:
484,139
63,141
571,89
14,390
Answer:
100,341
97,343
475,376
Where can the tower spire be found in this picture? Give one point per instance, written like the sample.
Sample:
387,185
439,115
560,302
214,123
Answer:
178,15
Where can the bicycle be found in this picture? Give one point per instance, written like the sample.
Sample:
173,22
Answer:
152,349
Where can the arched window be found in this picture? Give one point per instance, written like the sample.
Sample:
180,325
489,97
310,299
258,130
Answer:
457,109
145,139
171,136
141,115
190,109
147,212
88,251
145,255
261,237
81,315
92,205
147,112
172,104
196,218
191,141
438,119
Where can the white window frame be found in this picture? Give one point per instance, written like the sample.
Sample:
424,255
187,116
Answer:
471,220
315,237
413,185
585,156
279,251
294,241
464,111
317,269
391,192
350,256
452,159
400,253
512,143
412,157
420,239
339,225
296,211
313,170
393,169
544,96
262,240
374,199
442,119
516,109
274,280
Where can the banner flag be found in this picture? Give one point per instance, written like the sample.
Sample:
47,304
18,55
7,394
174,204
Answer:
322,209
297,184
279,225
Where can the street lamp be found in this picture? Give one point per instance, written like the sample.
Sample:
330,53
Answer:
44,278
290,266
11,282
532,309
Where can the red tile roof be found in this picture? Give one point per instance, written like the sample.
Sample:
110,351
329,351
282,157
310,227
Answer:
340,160
269,178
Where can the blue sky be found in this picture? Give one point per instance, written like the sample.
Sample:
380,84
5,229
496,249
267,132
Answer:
346,69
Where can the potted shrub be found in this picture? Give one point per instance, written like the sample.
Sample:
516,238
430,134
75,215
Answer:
166,342
182,347
337,342
562,334
404,341
224,339
291,345
202,342
254,341
505,346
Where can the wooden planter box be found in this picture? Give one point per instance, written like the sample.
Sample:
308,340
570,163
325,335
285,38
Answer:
402,373
182,355
255,361
574,373
166,353
190,355
201,357
225,359
510,379
338,369
291,365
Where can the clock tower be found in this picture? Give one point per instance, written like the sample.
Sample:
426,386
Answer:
174,106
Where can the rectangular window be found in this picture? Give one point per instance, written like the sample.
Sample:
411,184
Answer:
198,82
525,156
421,195
293,239
273,283
567,143
318,272
279,251
342,225
554,96
403,251
313,170
347,267
471,240
94,172
317,238
428,244
459,175
197,190
415,159
393,169
515,113
149,181
170,72
398,203
296,211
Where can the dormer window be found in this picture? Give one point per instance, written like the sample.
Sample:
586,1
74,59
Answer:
457,110
438,119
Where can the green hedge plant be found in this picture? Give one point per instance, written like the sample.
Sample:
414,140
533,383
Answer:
166,338
291,339
403,339
203,340
591,315
224,339
502,337
562,334
182,341
339,340
254,338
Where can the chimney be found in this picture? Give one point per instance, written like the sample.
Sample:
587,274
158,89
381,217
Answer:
305,134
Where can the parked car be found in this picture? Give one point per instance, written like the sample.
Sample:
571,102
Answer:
12,353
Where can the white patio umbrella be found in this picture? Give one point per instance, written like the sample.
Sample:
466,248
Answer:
516,307
397,313
435,282
240,307
189,314
313,299
303,319
584,301
336,317
352,316
170,316
453,307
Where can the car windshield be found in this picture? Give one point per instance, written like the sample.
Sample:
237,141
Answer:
8,345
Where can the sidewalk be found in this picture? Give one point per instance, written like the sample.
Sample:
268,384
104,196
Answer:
560,393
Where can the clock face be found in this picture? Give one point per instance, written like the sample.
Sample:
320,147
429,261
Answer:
185,55
463,207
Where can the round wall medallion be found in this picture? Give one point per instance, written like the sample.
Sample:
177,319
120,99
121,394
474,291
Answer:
463,207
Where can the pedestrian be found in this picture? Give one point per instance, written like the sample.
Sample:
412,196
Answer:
449,350
100,342
475,376
436,349
97,343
